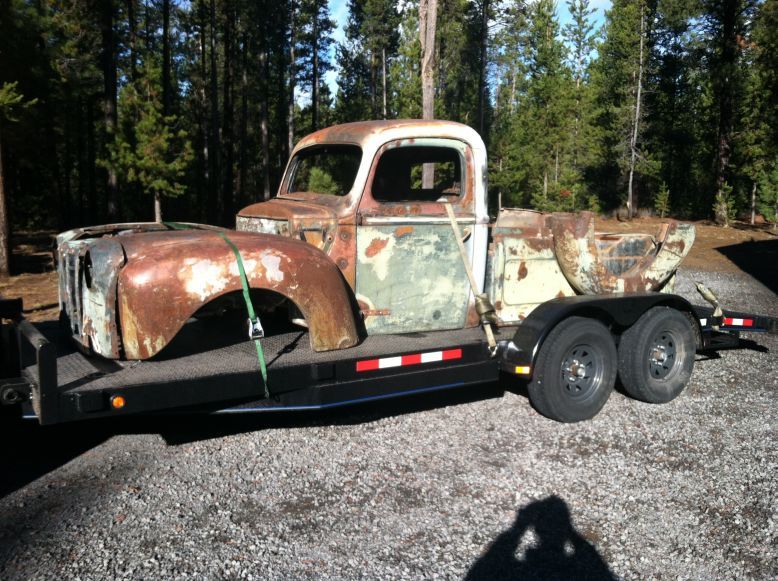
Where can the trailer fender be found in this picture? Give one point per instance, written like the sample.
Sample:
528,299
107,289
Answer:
618,311
169,276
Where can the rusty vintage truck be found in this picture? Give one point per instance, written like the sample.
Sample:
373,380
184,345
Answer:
375,271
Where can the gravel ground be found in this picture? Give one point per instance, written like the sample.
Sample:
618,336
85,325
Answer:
448,486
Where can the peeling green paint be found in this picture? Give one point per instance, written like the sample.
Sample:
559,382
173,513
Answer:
415,273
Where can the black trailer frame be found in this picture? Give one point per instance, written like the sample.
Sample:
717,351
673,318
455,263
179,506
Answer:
54,382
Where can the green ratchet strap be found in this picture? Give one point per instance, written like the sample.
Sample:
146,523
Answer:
255,327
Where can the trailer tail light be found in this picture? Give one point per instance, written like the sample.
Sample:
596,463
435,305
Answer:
118,402
522,370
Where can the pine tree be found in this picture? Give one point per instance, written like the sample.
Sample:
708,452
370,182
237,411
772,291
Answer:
726,25
756,144
405,69
313,44
619,77
355,98
678,131
579,36
157,156
11,104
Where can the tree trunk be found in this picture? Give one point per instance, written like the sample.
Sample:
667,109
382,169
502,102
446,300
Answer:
81,160
157,207
292,73
753,203
132,26
636,121
315,87
214,147
482,65
205,135
727,70
165,58
91,162
244,121
373,82
513,88
227,120
109,104
383,79
264,124
5,230
428,14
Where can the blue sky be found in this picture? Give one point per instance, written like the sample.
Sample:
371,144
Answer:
339,13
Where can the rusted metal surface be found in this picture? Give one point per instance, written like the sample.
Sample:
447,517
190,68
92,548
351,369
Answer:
408,263
618,269
89,260
88,293
538,257
367,238
412,282
524,269
170,275
154,304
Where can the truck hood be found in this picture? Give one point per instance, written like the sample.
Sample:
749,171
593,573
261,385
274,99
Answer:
305,219
291,210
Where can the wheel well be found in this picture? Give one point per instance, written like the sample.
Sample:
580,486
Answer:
273,309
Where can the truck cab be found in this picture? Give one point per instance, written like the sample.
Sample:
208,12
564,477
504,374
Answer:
358,192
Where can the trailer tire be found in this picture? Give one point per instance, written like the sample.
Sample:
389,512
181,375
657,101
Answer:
656,355
575,371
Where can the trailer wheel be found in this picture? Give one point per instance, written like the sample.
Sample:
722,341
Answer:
656,355
575,371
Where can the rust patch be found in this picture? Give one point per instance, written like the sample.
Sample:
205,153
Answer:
403,231
375,247
376,312
522,270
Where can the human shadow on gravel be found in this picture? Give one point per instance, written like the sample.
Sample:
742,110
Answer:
558,550
757,258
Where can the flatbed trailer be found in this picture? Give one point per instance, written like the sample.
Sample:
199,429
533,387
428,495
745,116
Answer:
53,382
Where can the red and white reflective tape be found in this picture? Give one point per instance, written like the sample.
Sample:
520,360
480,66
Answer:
403,360
738,322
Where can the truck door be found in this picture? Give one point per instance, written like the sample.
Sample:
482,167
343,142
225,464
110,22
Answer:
409,274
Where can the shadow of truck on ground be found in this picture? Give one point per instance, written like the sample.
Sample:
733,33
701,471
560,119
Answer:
757,258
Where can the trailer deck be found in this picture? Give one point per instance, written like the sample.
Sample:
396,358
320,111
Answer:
214,367
224,370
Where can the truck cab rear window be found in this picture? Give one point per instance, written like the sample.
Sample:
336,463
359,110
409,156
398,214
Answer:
398,177
329,169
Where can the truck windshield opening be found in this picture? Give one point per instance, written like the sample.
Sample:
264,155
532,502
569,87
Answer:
329,169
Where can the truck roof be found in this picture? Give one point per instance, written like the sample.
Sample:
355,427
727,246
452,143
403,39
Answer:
368,134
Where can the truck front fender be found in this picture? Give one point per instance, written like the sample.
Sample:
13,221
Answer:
169,276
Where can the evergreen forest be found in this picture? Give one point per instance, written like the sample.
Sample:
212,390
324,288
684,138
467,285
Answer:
112,109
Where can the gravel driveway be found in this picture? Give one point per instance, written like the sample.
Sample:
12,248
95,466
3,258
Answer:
465,484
